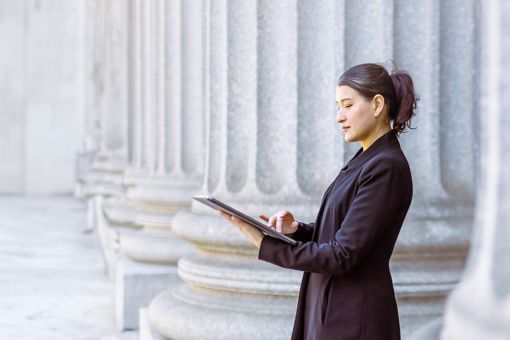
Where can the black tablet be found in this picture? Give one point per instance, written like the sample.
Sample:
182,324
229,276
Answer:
218,205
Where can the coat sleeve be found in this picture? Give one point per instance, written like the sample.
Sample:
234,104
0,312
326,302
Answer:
304,232
368,217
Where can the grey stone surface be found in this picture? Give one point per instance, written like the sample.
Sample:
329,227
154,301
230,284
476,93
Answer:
106,97
41,94
429,331
52,284
186,313
153,247
146,330
479,306
135,286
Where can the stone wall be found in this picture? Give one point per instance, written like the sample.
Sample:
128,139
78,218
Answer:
41,95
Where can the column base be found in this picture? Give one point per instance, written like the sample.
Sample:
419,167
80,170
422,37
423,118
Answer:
417,311
431,331
475,312
135,286
194,313
146,330
153,247
108,237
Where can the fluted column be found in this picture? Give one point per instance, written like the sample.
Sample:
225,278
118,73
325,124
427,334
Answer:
170,167
254,162
107,113
442,152
91,134
166,166
106,102
478,307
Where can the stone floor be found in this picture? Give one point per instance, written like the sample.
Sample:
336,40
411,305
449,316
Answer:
52,284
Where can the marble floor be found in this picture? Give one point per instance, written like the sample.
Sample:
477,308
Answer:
52,284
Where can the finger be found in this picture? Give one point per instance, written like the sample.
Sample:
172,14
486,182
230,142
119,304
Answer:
239,222
243,225
243,228
271,222
234,220
247,229
264,217
279,224
224,215
283,213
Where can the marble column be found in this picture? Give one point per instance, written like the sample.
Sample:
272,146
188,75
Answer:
107,113
106,94
479,306
442,151
166,165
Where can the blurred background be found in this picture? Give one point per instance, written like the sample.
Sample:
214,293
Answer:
114,113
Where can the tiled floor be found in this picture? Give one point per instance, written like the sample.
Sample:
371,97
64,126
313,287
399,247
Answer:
52,284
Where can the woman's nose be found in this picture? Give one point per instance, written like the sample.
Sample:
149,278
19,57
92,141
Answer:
340,117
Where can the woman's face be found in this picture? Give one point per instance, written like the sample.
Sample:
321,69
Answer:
354,113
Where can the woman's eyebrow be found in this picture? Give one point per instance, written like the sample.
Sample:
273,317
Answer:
344,99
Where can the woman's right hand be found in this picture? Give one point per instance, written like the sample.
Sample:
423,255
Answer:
282,221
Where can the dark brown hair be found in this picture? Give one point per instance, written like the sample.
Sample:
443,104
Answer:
396,87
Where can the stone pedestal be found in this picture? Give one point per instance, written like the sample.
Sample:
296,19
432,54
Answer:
136,285
146,331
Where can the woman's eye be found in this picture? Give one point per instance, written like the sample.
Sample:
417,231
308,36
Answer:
348,105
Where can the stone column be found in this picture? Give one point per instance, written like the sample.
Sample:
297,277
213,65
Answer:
106,102
167,164
253,113
107,210
442,151
479,306
91,134
107,110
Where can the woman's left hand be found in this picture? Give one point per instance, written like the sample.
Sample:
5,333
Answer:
251,233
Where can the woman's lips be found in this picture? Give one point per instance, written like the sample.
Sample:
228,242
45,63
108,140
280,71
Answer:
345,128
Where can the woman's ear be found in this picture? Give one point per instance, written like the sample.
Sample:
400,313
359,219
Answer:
378,104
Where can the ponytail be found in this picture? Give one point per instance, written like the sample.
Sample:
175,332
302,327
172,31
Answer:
405,98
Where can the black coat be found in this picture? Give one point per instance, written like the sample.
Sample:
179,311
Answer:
347,291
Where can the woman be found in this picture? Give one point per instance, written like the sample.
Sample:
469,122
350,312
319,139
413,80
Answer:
347,291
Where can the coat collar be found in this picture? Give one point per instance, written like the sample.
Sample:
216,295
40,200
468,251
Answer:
389,138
